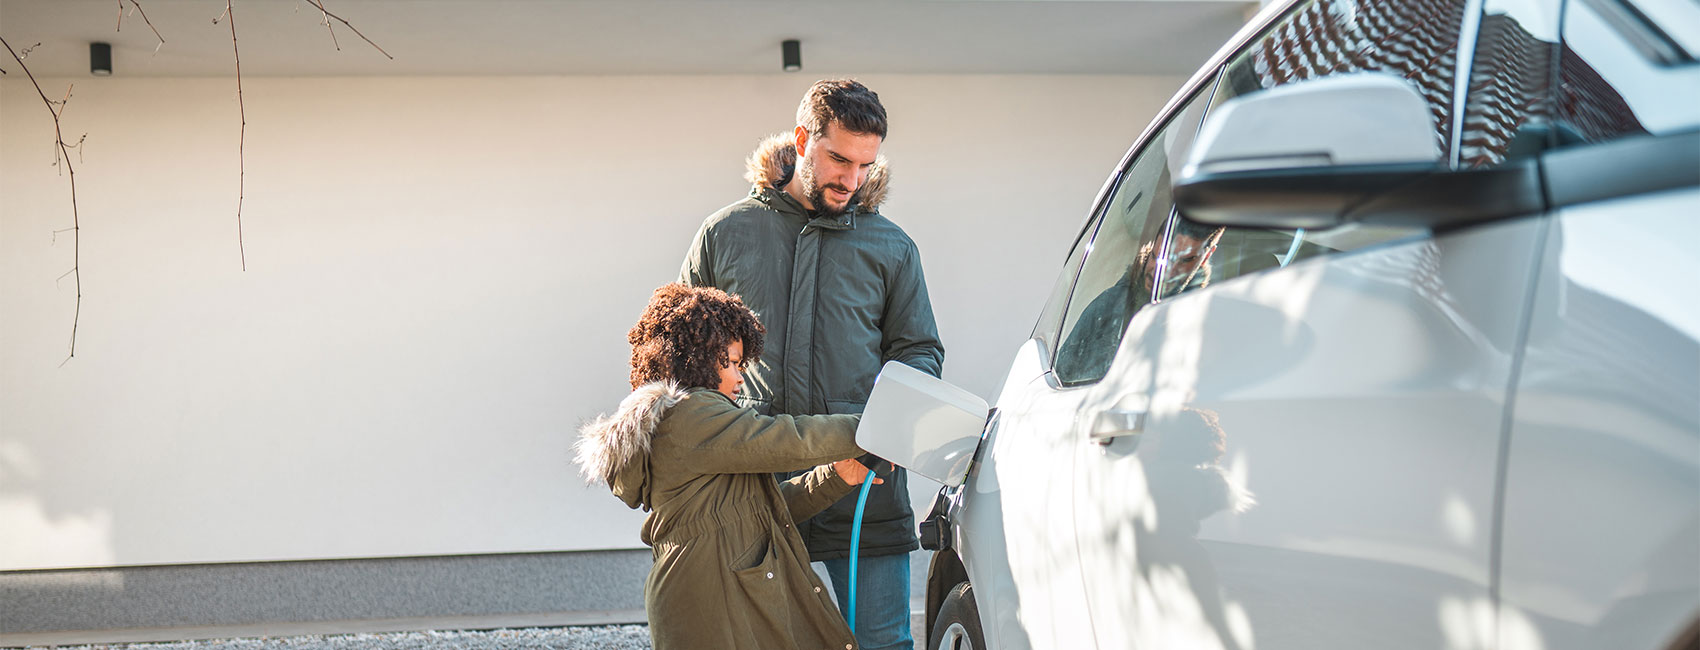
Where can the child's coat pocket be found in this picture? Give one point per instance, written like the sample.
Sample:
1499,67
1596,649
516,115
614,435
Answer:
757,556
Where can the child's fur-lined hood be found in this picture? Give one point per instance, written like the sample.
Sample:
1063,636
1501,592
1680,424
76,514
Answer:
771,164
611,448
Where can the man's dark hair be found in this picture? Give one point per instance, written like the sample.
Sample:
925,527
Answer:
684,332
845,102
1188,228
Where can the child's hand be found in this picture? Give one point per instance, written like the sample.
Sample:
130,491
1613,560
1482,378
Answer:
853,472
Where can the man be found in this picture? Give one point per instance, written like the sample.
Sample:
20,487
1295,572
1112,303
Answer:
840,290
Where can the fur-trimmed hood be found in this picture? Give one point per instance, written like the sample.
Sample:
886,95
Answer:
771,164
611,448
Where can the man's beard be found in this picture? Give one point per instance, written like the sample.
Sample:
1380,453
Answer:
817,194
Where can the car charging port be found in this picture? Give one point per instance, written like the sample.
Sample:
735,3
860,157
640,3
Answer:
934,530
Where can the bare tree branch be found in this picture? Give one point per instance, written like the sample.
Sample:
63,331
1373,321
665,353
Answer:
76,221
350,26
63,104
242,142
138,5
62,149
21,55
26,54
78,146
325,17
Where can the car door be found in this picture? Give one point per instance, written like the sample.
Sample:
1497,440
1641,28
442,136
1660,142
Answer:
1296,444
1114,286
1021,499
1602,499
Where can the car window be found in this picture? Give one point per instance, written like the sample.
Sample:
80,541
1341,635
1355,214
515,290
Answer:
1118,274
1417,40
1050,320
1623,68
1508,106
1627,68
1200,255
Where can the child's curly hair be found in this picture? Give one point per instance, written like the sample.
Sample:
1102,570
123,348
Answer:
684,332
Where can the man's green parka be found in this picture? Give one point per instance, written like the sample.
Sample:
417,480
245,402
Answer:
730,570
839,296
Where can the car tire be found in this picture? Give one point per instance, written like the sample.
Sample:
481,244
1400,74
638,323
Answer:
958,623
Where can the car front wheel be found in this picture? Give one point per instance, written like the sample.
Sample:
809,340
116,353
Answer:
958,624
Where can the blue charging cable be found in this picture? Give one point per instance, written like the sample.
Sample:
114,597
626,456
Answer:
856,546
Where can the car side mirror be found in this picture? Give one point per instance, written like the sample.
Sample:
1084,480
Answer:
1320,153
1366,118
922,423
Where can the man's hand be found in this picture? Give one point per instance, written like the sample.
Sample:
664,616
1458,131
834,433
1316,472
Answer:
853,472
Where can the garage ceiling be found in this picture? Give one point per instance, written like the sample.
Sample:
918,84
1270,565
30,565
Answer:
623,37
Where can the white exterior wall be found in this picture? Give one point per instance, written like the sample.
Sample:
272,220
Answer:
440,275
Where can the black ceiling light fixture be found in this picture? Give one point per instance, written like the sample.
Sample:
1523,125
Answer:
793,54
100,59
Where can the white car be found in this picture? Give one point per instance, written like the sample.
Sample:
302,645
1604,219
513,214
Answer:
1414,364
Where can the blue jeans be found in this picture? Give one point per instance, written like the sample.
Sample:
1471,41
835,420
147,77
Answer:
882,599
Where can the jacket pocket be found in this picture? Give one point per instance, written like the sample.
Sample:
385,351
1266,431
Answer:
757,607
758,575
759,555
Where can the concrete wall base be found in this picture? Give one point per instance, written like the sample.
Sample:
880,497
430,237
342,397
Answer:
180,602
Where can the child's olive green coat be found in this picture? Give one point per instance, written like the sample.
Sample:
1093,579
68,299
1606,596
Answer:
730,570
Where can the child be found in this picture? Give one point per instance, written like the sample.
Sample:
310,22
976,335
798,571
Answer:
730,570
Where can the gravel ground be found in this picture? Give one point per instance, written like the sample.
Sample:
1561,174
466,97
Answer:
612,637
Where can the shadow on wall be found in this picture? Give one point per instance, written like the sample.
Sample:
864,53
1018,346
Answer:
39,534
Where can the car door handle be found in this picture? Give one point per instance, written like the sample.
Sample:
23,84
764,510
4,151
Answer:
1115,423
